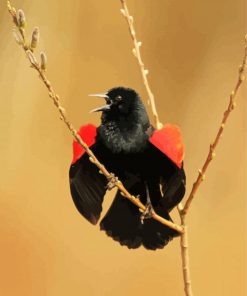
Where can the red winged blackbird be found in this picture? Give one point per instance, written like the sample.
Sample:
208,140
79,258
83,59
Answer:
149,162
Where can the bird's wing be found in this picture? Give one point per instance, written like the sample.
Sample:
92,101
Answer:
169,141
87,186
88,134
170,152
173,189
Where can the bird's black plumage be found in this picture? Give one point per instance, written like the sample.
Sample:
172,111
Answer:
122,145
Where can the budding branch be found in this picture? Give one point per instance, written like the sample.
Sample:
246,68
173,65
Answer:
19,22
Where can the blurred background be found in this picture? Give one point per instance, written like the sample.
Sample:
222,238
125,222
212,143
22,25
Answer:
192,50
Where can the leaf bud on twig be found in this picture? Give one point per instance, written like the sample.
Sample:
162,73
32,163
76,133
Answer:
21,19
18,38
242,77
31,57
134,52
35,38
123,12
61,109
43,61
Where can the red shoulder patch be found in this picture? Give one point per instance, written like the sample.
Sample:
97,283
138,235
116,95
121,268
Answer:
169,141
88,134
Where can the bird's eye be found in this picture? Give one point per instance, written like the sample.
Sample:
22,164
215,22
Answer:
118,98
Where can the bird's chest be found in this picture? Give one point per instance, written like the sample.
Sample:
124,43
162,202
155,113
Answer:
125,139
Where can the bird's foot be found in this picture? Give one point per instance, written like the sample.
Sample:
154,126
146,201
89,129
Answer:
112,182
148,212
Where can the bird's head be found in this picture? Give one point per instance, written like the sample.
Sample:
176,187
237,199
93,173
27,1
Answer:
124,120
119,101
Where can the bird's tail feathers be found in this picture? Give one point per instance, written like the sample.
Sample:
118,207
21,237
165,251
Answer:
122,222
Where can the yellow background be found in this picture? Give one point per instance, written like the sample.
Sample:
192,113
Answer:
192,49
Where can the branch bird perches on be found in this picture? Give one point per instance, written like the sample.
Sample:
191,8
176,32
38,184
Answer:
19,22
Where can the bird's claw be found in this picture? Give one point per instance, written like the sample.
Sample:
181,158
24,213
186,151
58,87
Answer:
147,213
112,182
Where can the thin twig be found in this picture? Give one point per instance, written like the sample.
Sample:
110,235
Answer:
137,53
183,211
21,39
211,153
185,256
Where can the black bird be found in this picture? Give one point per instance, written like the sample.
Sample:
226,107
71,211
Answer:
149,162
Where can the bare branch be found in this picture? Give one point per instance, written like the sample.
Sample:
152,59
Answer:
183,211
184,245
56,100
211,153
137,53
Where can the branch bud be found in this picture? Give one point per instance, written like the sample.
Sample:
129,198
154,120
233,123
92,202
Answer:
35,38
123,12
13,10
9,6
234,104
139,43
242,77
240,68
31,57
146,72
18,38
43,61
134,52
21,19
61,109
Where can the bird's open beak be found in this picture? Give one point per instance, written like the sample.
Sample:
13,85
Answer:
101,108
103,95
104,107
